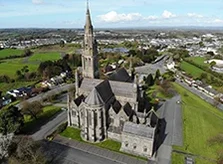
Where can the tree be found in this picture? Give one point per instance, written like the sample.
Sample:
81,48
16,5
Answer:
62,43
157,76
24,150
150,80
203,76
212,64
32,109
27,52
11,120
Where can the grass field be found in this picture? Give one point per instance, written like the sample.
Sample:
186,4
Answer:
32,124
191,69
68,48
44,57
10,66
4,87
10,52
198,60
201,122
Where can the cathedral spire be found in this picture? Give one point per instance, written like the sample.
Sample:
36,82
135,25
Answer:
88,17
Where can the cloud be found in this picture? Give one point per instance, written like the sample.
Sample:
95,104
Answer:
167,14
114,17
195,15
37,2
218,21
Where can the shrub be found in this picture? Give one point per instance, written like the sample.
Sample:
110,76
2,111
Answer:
61,128
218,139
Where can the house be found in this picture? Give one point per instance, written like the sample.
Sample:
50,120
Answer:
20,92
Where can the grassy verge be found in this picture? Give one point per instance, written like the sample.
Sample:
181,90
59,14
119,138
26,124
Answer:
108,144
31,124
191,69
201,121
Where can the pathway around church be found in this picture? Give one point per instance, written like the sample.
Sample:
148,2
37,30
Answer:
100,152
172,113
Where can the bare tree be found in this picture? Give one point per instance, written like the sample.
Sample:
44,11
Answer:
24,150
32,109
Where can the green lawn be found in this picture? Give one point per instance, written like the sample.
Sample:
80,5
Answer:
10,52
75,134
198,60
112,145
201,122
10,66
4,87
40,57
32,124
191,69
72,133
68,48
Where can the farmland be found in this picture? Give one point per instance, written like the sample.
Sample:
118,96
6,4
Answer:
10,66
10,52
40,57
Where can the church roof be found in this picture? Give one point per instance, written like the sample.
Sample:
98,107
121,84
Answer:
128,109
88,23
118,88
139,129
94,98
105,91
116,106
79,100
120,75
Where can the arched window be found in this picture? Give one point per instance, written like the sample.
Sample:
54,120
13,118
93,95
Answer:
126,144
134,146
74,113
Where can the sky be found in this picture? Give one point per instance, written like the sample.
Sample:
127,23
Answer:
110,14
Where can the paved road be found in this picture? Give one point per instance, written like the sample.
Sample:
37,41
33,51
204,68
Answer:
171,129
66,155
45,95
50,126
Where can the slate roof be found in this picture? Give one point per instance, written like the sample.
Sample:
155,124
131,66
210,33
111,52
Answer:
118,88
128,109
94,98
120,75
139,129
104,90
116,106
79,100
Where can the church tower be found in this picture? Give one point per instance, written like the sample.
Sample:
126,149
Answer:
90,52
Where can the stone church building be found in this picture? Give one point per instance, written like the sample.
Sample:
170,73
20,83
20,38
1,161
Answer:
113,108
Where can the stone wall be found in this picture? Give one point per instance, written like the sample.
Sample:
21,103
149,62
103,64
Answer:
114,136
137,145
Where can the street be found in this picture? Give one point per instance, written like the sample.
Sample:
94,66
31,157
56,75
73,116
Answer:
171,132
43,96
66,155
51,126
